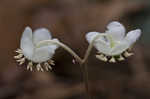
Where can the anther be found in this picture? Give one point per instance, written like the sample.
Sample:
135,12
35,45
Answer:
29,66
121,58
18,56
19,51
39,68
112,60
47,66
21,61
127,54
51,62
102,57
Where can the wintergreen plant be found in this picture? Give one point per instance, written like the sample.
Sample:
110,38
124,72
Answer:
38,47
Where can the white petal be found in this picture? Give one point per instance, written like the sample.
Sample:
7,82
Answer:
102,46
90,36
44,53
26,43
120,48
116,30
41,34
132,36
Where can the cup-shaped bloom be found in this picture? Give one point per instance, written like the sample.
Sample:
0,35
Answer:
36,55
115,43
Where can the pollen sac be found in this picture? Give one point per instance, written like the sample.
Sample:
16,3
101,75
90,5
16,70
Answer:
39,67
121,58
51,62
30,66
112,60
19,51
18,56
47,66
102,57
127,54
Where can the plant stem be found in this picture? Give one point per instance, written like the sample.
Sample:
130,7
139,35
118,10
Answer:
91,45
84,70
48,42
82,62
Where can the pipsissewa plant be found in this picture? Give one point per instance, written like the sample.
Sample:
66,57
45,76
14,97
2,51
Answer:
38,48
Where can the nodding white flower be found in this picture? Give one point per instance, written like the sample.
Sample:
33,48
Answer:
115,43
41,56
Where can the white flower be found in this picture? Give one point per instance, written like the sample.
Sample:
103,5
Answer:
29,51
115,42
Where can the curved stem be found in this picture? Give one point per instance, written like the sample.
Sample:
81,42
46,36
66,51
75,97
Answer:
82,62
84,70
47,42
84,65
91,45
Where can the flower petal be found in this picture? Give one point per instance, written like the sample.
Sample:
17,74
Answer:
44,53
132,36
90,36
41,34
26,43
120,48
102,46
116,30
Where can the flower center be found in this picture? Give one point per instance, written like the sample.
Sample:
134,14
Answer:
112,42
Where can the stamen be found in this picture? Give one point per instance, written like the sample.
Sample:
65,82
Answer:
73,61
18,56
127,54
39,68
19,51
21,61
47,66
121,58
29,66
112,60
51,62
102,57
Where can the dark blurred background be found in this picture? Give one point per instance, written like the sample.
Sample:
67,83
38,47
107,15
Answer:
70,20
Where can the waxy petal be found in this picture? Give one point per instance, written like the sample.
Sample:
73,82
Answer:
132,36
116,30
42,54
120,48
26,43
101,44
91,35
41,34
45,53
102,47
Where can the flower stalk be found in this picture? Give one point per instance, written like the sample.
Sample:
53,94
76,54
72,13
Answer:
39,47
91,45
85,73
82,62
